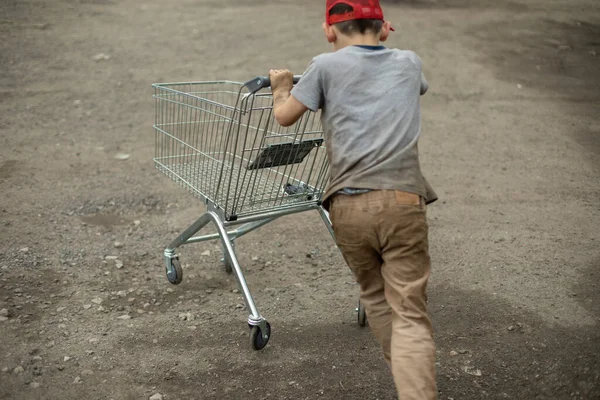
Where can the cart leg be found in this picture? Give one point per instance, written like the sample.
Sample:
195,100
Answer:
327,220
241,231
172,265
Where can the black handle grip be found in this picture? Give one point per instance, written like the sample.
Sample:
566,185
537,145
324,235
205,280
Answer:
261,82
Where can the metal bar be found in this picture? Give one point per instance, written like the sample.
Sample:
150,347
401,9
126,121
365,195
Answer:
254,315
234,234
189,232
327,220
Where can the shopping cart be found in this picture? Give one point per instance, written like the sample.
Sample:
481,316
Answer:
220,141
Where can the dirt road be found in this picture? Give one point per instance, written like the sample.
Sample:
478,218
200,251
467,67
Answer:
511,142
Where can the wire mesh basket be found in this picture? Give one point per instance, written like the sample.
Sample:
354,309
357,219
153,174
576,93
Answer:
221,142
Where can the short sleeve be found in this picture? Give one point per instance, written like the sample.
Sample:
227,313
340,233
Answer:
424,83
309,90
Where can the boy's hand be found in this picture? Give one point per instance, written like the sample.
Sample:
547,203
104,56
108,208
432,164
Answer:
281,79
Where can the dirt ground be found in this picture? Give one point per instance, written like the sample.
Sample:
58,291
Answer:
511,142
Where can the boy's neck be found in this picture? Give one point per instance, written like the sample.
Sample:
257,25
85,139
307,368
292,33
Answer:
355,40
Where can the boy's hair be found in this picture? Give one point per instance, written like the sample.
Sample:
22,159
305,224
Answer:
351,27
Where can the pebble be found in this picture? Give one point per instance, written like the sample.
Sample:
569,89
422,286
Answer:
94,341
97,300
18,290
34,385
118,245
87,306
511,328
77,380
119,264
36,358
19,370
24,250
156,396
87,372
67,358
122,293
5,369
3,318
205,253
111,258
453,353
124,317
4,312
137,222
122,156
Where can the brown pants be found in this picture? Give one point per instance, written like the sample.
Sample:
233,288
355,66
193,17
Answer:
383,238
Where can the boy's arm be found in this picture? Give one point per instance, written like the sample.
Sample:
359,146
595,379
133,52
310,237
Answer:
287,108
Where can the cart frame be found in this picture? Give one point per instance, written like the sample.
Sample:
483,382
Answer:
231,220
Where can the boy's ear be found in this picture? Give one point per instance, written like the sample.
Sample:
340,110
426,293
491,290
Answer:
329,32
385,31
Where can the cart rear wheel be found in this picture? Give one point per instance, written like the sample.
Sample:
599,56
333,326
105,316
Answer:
362,315
258,340
175,275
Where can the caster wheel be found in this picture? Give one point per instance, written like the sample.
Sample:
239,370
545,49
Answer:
175,276
362,315
258,340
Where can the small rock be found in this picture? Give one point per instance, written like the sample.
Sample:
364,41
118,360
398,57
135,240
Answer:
4,313
97,300
100,57
472,371
137,222
124,317
118,245
5,369
100,309
67,358
19,370
94,341
156,396
122,156
76,380
205,253
122,293
24,250
511,328
36,358
240,306
463,351
18,290
2,318
59,309
34,385
453,353
87,372
87,306
111,258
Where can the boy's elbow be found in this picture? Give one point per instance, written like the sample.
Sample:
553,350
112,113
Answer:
283,119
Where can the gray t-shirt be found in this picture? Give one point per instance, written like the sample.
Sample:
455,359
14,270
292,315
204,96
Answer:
371,117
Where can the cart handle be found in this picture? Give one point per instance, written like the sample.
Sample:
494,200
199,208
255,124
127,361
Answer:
261,82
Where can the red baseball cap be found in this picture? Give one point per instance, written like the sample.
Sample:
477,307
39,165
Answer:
361,9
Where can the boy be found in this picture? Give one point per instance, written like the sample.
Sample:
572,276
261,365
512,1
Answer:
369,96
